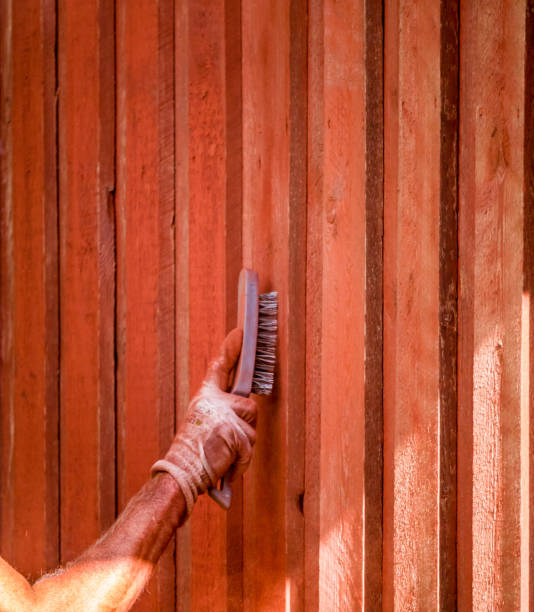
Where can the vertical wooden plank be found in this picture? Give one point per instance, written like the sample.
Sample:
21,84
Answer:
527,337
493,418
342,355
234,260
29,495
448,304
145,255
314,301
209,292
344,296
87,282
419,305
274,230
373,335
214,191
181,118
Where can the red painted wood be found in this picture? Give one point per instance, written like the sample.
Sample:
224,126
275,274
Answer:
252,133
493,418
418,235
314,302
527,336
345,207
274,141
234,258
87,277
181,117
373,338
145,256
210,291
208,145
29,401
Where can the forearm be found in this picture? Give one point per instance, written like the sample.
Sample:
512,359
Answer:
113,572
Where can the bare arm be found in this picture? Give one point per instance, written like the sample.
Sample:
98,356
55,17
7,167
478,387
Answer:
113,572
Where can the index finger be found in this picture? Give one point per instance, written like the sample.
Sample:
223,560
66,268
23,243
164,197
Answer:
222,365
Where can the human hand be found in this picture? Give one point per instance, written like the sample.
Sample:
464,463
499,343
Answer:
218,432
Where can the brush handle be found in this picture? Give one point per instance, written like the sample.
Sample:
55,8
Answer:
247,320
222,494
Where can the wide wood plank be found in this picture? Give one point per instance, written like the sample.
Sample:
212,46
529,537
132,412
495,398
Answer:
420,136
29,301
145,256
87,272
274,144
494,411
214,241
344,289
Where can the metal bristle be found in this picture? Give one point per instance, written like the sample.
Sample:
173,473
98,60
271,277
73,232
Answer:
263,379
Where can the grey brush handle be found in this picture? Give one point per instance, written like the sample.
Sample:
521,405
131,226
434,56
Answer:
222,494
247,320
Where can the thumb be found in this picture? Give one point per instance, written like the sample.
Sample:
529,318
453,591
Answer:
222,365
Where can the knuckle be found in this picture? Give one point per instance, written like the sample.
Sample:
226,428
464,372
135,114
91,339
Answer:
251,405
225,430
251,435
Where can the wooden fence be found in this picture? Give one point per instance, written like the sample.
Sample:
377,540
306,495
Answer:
375,163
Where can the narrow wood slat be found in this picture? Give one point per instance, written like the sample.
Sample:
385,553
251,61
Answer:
274,145
493,417
314,300
29,301
87,272
527,338
373,336
145,256
448,307
234,260
182,376
419,305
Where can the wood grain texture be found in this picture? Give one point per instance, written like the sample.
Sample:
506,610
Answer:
492,262
314,301
145,256
214,243
527,335
274,179
373,336
419,307
338,93
234,259
182,376
87,272
378,172
344,296
448,304
29,398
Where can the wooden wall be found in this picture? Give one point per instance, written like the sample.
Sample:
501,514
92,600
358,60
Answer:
375,163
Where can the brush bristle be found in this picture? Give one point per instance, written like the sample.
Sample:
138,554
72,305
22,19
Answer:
263,379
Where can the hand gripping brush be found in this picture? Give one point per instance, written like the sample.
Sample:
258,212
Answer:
257,317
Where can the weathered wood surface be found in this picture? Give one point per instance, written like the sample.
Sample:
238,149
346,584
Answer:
420,136
145,256
274,205
494,413
344,327
29,289
373,161
211,154
87,272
